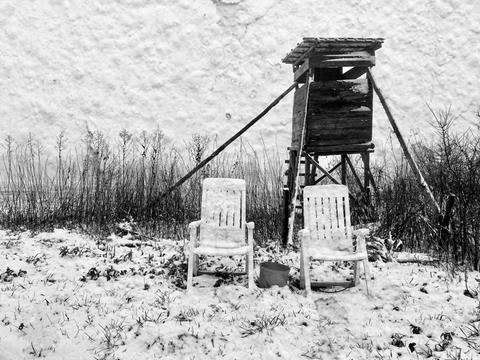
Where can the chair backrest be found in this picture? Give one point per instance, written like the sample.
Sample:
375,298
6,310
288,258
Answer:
326,212
223,213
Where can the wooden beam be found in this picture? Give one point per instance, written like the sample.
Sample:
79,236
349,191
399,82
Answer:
355,72
372,181
314,171
344,169
229,141
303,56
319,167
340,149
357,179
403,144
357,58
286,204
329,171
366,177
300,75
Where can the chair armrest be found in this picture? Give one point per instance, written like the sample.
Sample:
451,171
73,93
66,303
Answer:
250,225
194,224
361,232
304,233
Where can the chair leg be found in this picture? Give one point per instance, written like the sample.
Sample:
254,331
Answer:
356,273
195,264
306,274
190,270
367,274
249,267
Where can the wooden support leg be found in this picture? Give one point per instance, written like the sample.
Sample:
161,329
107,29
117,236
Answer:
292,169
313,171
366,176
344,170
286,213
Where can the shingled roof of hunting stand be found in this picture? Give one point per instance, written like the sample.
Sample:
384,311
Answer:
330,46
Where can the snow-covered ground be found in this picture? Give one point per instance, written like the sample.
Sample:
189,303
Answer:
64,295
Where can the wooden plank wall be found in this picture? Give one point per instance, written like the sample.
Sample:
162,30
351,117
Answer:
339,112
298,114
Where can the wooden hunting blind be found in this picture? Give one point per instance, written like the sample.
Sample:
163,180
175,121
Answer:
332,115
332,111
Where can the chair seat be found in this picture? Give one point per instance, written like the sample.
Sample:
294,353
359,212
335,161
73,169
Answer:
336,255
215,251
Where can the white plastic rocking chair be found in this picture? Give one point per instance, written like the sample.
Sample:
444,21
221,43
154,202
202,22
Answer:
327,234
221,230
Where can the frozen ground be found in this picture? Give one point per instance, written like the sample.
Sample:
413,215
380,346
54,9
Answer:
209,66
68,296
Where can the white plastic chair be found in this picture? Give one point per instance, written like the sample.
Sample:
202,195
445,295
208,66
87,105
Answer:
221,231
327,234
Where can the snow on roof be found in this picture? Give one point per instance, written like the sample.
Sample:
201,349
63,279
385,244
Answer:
331,45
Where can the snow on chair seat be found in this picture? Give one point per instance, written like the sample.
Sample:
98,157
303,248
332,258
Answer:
206,250
222,229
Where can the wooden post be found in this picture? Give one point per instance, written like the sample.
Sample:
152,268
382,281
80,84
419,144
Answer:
344,169
314,170
229,141
308,168
286,204
366,176
409,157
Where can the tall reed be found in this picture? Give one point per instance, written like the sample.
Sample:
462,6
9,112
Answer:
105,182
451,166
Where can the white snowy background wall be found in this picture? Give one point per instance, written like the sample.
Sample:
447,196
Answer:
209,66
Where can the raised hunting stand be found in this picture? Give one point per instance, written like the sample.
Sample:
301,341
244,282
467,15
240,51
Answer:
332,114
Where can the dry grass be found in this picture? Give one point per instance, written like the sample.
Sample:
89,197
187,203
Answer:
106,181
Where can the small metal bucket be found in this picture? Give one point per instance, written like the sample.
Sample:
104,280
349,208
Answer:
272,273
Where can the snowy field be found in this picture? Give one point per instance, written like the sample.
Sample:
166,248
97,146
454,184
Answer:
69,296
